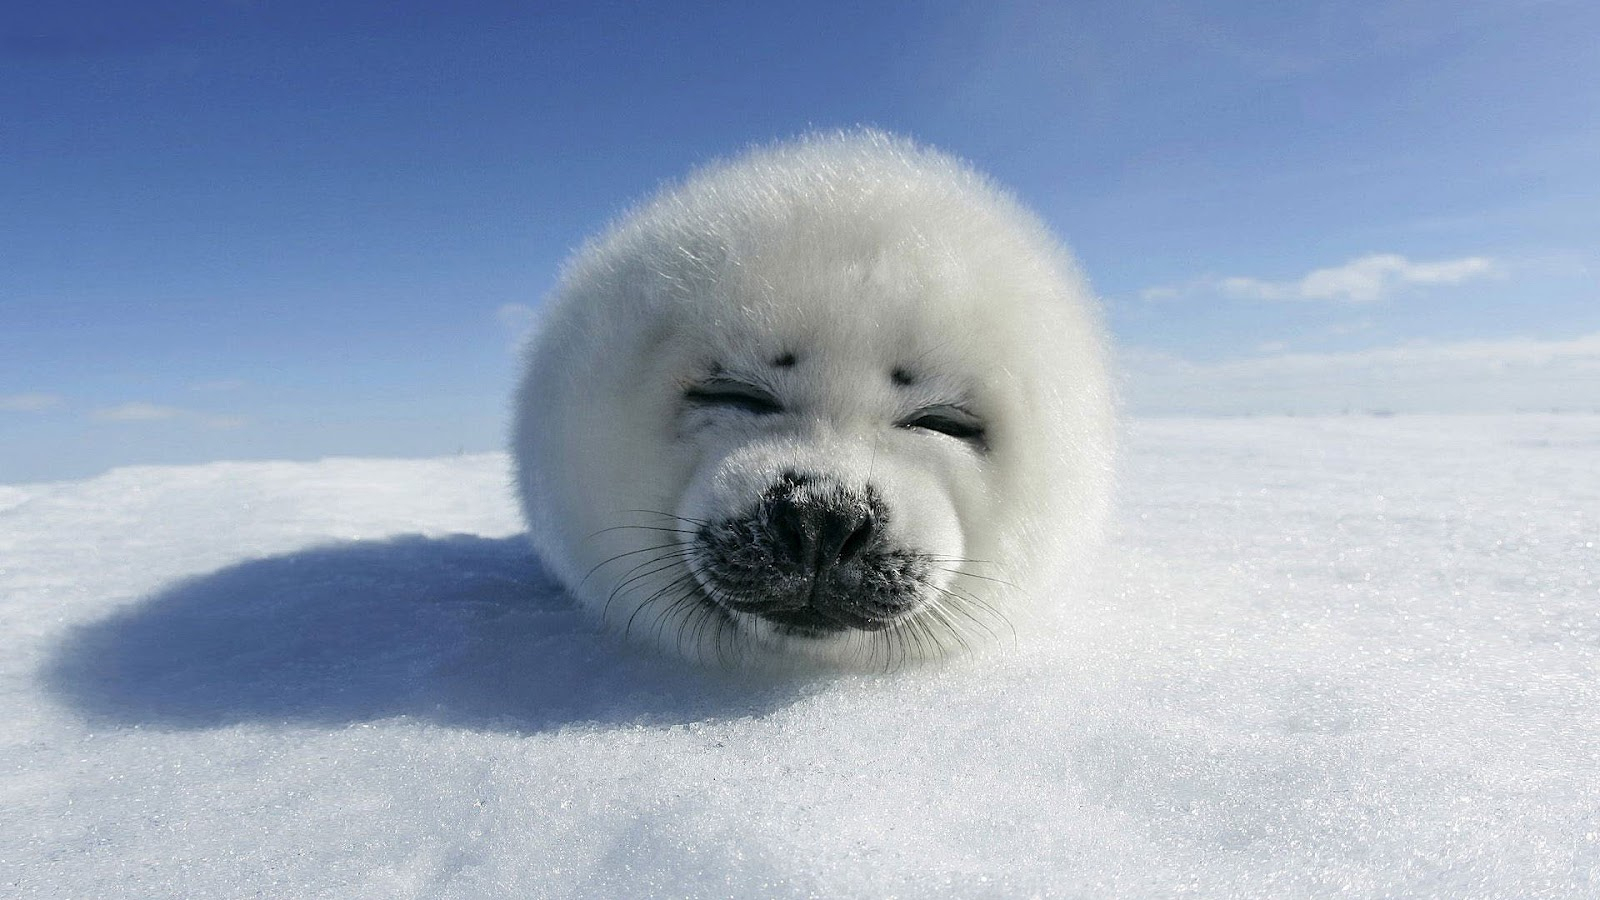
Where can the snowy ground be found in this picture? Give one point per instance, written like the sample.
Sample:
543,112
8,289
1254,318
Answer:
1324,656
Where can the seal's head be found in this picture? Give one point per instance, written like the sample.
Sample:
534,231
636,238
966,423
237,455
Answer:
840,399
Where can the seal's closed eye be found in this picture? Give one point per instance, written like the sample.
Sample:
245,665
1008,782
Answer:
952,420
733,394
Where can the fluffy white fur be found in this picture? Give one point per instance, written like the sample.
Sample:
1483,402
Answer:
859,253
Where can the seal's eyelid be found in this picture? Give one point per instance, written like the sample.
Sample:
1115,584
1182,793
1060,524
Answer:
949,419
731,392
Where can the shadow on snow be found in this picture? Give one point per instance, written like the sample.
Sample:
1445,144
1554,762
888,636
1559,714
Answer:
462,631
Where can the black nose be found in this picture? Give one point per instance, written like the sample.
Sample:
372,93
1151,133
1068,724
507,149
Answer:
818,534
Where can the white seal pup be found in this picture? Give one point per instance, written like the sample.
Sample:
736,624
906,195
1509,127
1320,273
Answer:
840,399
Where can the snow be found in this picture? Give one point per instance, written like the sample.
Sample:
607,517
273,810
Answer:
1340,656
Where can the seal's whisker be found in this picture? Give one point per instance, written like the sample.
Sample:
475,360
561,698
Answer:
666,515
682,590
660,528
937,612
965,573
651,600
910,637
931,638
691,609
624,555
959,560
656,566
886,640
960,606
967,598
713,613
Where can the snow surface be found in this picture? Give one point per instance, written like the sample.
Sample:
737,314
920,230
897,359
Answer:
1344,656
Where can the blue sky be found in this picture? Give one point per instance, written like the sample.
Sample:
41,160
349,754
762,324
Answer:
290,230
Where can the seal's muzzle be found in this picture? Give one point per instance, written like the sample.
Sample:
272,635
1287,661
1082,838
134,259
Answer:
812,557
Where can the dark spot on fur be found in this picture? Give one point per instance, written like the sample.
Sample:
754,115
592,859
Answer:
902,377
786,361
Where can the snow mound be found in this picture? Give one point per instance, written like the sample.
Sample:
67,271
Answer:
1322,656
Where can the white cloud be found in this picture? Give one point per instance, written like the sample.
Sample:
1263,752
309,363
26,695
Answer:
1162,292
27,402
1352,327
151,412
1504,375
218,386
1365,279
136,412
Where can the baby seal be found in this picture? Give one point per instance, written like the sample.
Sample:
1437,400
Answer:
840,399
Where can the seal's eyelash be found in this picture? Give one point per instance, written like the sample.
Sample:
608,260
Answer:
952,420
728,392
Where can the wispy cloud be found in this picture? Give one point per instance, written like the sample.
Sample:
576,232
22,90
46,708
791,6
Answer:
1466,376
1365,279
136,412
27,402
151,412
220,385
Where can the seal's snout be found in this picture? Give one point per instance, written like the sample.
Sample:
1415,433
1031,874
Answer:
813,557
821,535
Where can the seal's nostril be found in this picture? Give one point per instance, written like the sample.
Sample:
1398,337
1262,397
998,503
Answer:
842,533
858,539
789,533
